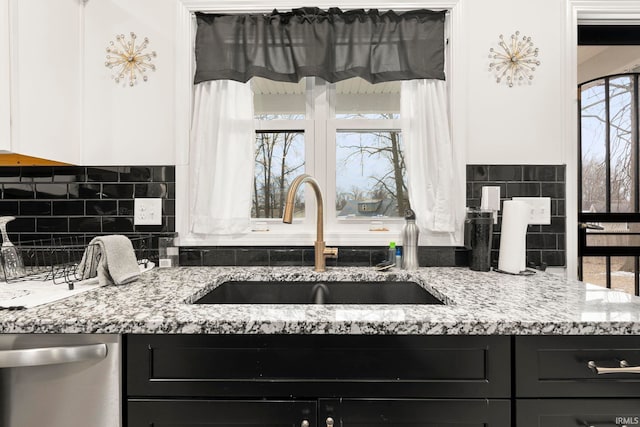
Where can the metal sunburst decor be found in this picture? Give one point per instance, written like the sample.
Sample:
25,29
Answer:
129,60
514,60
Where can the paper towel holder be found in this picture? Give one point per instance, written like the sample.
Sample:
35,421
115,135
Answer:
512,257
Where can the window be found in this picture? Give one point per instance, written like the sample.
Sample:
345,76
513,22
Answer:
299,109
610,182
346,135
370,175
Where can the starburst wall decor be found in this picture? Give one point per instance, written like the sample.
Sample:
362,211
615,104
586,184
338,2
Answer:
129,60
514,61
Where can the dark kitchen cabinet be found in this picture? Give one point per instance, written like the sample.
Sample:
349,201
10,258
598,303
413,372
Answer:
239,413
319,366
557,381
409,381
414,412
564,366
322,413
301,381
577,412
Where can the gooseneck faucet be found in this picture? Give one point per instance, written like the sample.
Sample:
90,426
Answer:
321,251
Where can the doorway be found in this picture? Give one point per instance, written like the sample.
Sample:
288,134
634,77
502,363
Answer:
608,160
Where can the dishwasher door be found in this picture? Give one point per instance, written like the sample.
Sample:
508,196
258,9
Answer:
56,380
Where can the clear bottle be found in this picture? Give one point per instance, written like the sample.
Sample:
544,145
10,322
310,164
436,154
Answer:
410,234
392,252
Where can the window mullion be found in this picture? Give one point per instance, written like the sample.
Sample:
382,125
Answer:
321,165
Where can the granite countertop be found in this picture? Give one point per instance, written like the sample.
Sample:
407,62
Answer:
476,303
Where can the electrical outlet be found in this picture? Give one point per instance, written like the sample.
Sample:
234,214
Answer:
540,209
147,211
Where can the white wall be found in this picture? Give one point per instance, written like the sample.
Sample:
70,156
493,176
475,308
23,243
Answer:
502,125
129,125
5,87
46,78
518,125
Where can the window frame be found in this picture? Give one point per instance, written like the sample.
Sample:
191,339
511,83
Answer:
320,127
340,233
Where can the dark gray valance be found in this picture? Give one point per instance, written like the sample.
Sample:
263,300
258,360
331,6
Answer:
333,45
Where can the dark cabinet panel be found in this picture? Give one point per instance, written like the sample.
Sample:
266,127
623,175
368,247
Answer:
577,412
558,366
202,413
319,366
414,413
326,413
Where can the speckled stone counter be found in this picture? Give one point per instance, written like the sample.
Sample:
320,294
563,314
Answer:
475,303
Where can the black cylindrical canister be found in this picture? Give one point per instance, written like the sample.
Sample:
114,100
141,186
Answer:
479,235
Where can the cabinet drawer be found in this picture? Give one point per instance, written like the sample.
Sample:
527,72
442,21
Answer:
322,366
342,412
558,366
201,413
415,412
577,412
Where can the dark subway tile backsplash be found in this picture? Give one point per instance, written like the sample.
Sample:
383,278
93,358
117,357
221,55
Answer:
51,191
103,174
545,243
365,256
68,207
505,173
35,207
70,201
52,225
101,207
87,201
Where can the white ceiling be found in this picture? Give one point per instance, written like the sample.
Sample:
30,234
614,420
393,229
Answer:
587,52
598,61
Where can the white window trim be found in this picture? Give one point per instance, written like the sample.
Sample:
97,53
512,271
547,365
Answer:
338,232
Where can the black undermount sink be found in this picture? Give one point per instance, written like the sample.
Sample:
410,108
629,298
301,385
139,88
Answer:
288,292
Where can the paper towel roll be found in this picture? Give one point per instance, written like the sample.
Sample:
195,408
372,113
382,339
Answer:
513,237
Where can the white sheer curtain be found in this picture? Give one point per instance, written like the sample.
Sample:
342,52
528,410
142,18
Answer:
221,157
435,176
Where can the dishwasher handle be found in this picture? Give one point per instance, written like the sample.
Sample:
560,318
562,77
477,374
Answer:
51,355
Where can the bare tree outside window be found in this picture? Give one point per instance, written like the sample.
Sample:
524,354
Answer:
622,153
279,158
370,174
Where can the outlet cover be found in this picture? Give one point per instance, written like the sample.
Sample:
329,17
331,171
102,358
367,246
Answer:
147,211
540,213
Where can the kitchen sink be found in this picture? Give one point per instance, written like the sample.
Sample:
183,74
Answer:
288,292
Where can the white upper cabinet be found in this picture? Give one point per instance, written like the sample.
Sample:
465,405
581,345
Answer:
5,86
46,78
126,125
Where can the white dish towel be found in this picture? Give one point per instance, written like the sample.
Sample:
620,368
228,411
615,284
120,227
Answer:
111,258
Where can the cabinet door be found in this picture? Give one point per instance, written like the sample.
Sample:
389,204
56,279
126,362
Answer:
5,87
46,78
577,412
126,125
237,413
414,412
318,365
562,366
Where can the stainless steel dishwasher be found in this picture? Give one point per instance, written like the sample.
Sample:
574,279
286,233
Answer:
55,380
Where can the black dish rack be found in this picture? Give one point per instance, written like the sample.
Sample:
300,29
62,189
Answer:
58,260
